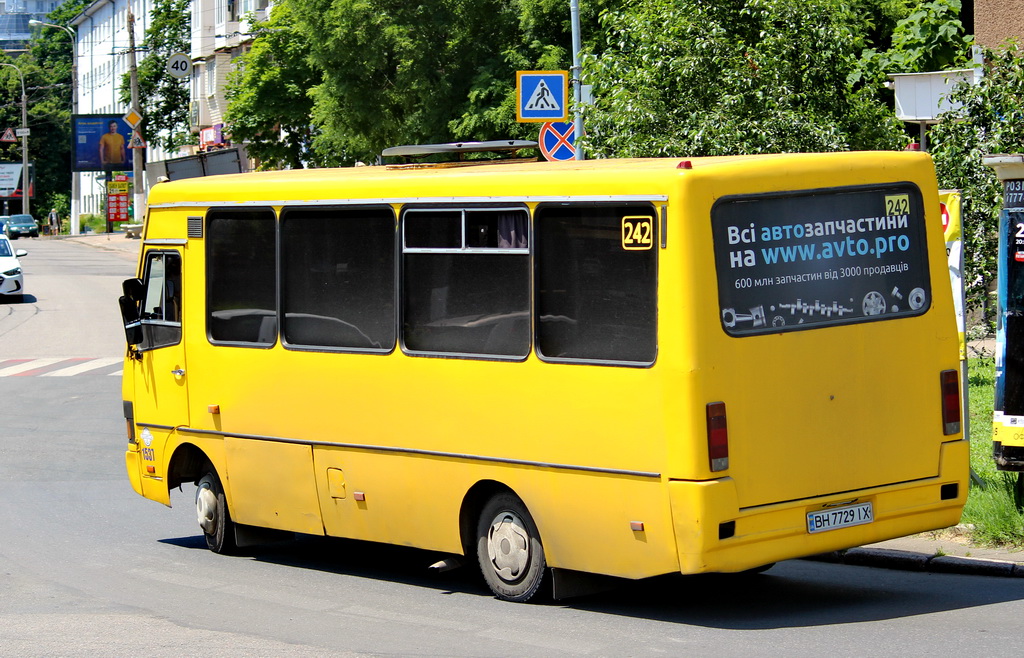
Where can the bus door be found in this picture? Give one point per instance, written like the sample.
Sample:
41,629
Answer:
158,364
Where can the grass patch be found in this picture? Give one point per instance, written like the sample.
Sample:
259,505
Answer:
95,223
991,510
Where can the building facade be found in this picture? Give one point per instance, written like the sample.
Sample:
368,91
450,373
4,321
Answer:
15,32
103,59
220,33
995,21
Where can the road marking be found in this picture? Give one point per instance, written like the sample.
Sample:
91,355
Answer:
60,367
92,364
26,365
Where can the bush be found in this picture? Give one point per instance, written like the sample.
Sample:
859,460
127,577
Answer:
93,223
989,120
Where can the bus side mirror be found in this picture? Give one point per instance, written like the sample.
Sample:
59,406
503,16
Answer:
133,289
130,315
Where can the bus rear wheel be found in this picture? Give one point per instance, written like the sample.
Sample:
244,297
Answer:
212,512
509,549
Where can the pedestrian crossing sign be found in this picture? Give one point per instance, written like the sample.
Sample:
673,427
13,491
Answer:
8,136
542,96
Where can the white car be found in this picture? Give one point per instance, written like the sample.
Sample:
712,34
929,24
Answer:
11,280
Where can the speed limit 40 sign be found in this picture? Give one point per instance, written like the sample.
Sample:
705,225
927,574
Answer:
179,65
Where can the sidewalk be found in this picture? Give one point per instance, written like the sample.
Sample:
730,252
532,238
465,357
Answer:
109,241
936,552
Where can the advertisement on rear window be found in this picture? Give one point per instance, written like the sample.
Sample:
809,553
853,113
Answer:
796,261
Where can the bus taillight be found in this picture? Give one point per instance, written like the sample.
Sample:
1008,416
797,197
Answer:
718,436
950,401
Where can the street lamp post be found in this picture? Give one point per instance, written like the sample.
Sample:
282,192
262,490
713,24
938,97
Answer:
24,141
75,184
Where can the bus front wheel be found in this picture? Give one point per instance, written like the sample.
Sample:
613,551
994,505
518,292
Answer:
509,550
212,511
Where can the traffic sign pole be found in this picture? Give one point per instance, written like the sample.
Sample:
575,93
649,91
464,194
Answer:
140,156
577,71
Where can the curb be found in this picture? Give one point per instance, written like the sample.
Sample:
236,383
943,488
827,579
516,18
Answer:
886,558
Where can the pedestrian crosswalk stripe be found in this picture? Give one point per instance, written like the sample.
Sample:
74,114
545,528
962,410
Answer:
60,366
92,364
26,366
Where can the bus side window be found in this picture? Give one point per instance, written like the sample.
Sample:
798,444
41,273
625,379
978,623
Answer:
595,296
241,273
466,281
161,303
338,278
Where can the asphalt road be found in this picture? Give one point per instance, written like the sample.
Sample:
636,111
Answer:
89,568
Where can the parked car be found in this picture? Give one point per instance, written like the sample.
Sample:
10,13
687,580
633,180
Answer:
3,223
11,280
19,225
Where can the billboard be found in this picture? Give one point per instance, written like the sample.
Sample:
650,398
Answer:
100,143
10,180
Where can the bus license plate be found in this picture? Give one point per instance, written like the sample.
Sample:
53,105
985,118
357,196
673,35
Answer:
840,517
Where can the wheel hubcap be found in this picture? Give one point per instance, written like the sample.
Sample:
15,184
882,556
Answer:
206,509
508,546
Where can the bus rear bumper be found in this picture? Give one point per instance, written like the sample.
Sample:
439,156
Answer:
731,539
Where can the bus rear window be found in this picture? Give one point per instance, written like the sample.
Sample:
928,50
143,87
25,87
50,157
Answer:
804,260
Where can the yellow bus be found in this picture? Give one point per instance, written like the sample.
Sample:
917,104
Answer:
617,367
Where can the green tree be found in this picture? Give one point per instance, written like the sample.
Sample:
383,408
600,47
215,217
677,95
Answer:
990,119
269,106
930,37
539,39
396,72
687,77
163,99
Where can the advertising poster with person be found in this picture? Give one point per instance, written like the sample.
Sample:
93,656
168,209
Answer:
101,143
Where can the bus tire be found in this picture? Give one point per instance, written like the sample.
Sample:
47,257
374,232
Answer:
212,513
509,549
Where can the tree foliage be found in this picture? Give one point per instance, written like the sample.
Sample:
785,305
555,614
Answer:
269,106
163,99
930,37
989,120
540,40
381,73
687,77
395,70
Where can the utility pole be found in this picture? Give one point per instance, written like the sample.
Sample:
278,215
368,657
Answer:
140,154
26,179
577,72
23,133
